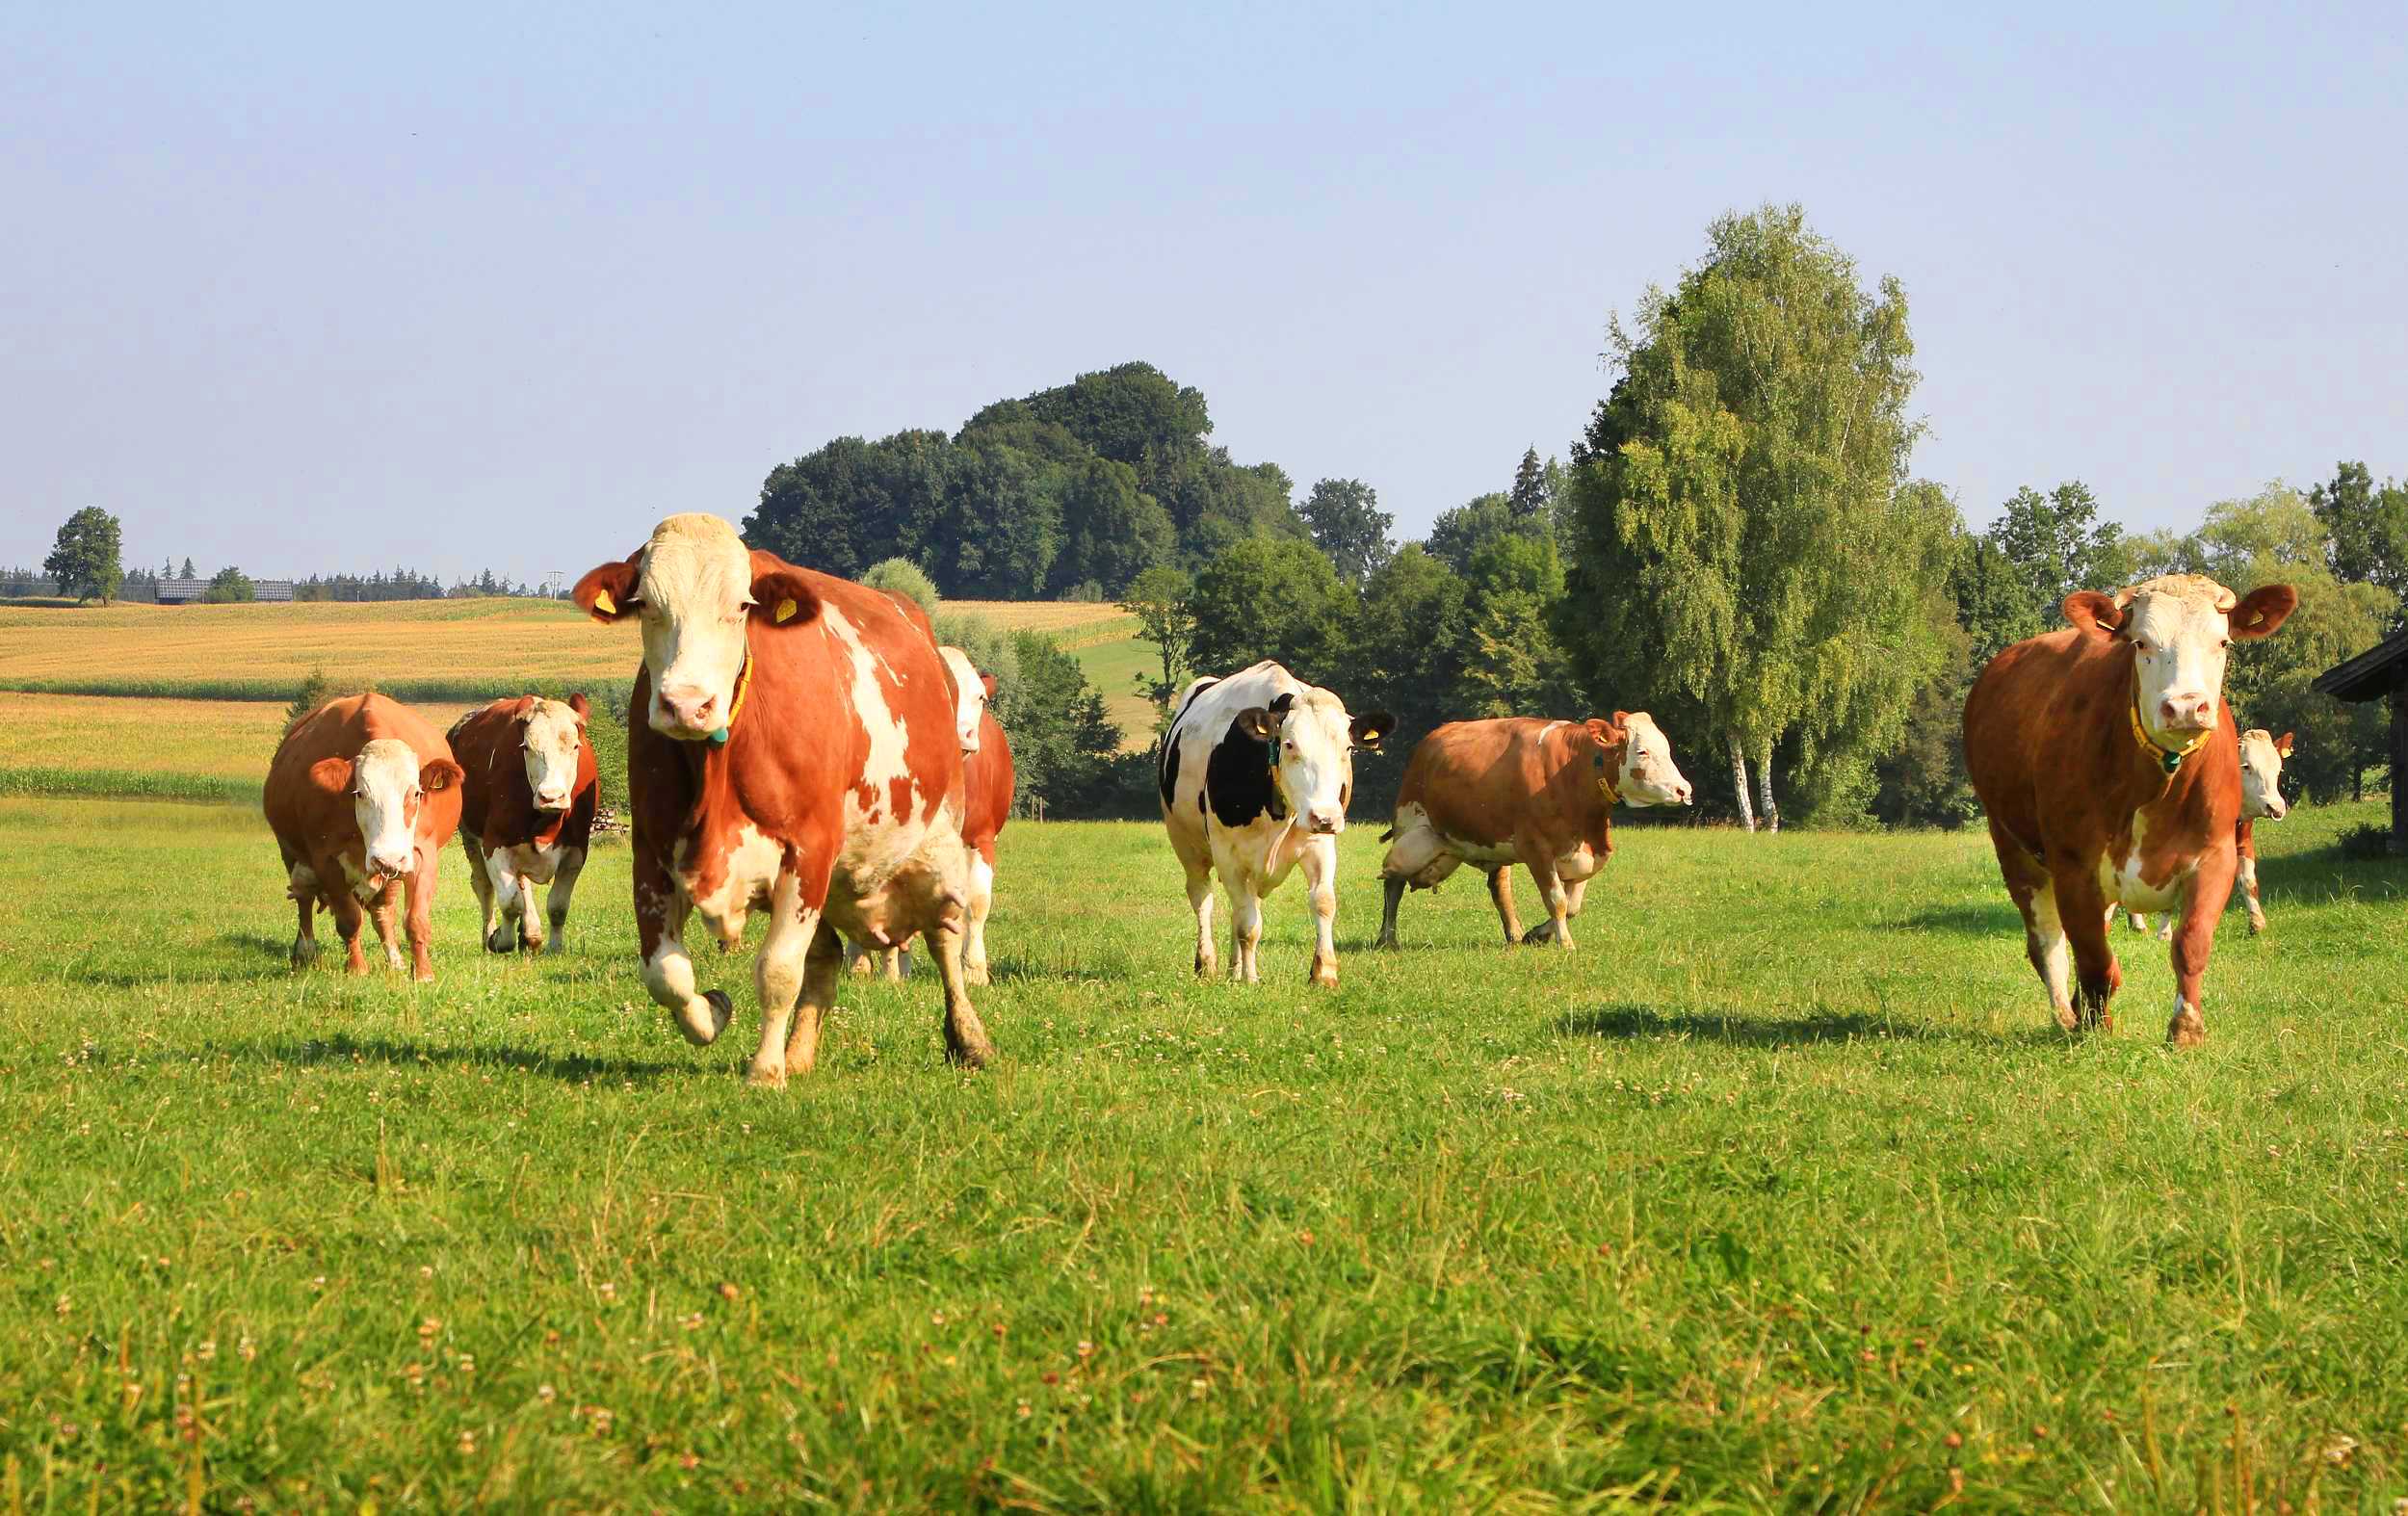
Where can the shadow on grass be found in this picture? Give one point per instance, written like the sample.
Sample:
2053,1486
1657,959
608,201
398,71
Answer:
575,1068
1973,920
1626,1023
2328,873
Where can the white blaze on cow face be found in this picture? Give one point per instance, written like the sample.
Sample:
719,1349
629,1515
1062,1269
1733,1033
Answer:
551,734
2178,626
2262,757
1649,775
696,598
385,796
1315,753
971,691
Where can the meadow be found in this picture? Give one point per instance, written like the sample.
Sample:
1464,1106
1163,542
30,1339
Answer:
1782,1193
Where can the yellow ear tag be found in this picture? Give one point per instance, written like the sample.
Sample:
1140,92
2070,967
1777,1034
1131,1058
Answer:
785,612
603,603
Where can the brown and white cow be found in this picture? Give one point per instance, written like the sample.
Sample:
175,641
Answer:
1541,794
1256,773
2110,769
526,813
988,779
791,744
2262,755
362,794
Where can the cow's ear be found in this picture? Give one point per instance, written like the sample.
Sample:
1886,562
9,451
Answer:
1371,726
331,774
2091,611
608,592
780,595
439,774
2282,744
1282,705
1621,718
2261,610
1258,723
577,703
1608,733
987,680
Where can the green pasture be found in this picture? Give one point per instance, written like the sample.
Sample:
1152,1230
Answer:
1782,1193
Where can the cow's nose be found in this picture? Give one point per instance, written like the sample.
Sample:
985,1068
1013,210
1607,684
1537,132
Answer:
691,709
554,799
1325,824
2189,713
391,862
1688,796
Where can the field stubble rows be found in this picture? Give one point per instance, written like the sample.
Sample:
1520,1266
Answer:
1782,1193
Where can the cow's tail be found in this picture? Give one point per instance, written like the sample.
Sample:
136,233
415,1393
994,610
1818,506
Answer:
1390,835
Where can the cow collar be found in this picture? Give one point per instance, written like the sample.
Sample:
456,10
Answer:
1604,785
735,706
2168,759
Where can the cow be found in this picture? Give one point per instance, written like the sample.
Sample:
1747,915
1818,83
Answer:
362,794
1541,794
2109,768
526,812
791,744
987,775
2262,755
1256,771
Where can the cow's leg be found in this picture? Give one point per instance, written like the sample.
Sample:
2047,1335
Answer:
777,973
2249,891
2081,907
420,887
1393,885
1321,878
965,1036
480,879
660,911
1500,896
556,900
860,959
891,965
1246,929
348,920
1417,857
2210,891
301,887
382,911
982,902
512,896
2035,895
1558,927
821,968
1200,902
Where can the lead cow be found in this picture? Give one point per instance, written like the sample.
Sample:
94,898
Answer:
791,744
1541,794
362,794
2111,770
527,811
1256,773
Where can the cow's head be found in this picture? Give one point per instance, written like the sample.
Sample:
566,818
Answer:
2262,756
386,784
1311,742
2181,628
1647,775
972,690
699,592
551,733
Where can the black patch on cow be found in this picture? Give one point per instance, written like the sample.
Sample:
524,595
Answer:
1237,780
1166,769
1169,770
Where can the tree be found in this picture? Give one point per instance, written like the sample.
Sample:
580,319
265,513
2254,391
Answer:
1403,655
1269,597
311,694
2367,528
902,577
187,571
228,586
1064,748
85,559
1347,523
1742,544
1159,599
1533,488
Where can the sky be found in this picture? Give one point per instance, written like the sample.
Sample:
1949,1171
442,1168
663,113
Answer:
312,288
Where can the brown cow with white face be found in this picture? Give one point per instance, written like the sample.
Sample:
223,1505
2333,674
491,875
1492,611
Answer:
1541,794
791,745
362,794
2262,755
526,812
2110,769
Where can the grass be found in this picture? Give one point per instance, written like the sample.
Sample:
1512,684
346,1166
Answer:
1782,1193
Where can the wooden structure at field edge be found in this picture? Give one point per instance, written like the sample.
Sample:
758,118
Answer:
2381,671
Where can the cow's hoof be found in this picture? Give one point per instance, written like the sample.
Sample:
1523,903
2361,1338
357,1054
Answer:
970,1050
305,954
974,974
2187,1030
1208,968
720,1008
766,1076
425,978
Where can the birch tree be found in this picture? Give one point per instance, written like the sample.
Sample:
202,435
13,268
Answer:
1743,546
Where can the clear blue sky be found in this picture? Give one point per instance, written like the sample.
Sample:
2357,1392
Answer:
308,287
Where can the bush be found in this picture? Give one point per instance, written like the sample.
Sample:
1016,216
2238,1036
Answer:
229,586
903,577
313,694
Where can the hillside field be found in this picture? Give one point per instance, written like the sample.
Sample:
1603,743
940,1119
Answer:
1782,1193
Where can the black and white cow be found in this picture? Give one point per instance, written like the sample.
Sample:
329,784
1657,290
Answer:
1255,773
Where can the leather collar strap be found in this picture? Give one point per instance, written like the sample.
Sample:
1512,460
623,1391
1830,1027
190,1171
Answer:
2168,759
744,683
1605,786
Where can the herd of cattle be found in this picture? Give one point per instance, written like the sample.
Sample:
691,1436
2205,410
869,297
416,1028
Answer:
800,745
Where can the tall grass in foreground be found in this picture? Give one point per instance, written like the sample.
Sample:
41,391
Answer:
1782,1193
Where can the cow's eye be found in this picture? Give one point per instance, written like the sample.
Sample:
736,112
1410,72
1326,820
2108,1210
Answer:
1288,745
2224,644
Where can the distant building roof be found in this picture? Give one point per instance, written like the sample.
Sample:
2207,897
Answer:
183,591
2370,676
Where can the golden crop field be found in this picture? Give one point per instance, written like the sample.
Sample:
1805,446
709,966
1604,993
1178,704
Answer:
213,738
1072,623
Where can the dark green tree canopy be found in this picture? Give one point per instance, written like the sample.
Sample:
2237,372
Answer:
1269,597
1348,525
86,558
